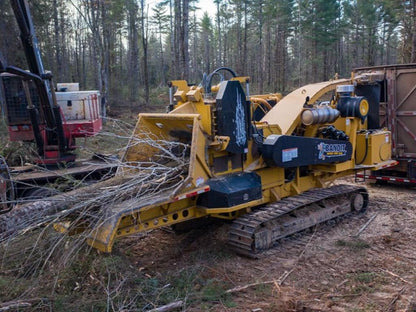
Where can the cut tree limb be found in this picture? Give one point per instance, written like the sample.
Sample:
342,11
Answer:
19,305
390,307
277,283
365,225
240,288
84,200
14,305
169,307
397,276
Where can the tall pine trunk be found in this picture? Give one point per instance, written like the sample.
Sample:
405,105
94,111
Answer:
145,52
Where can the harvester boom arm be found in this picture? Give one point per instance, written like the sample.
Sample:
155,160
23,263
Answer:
50,109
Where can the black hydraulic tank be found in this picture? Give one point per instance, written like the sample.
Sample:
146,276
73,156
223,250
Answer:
231,190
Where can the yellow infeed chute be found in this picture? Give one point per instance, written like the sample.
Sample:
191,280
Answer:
152,128
286,113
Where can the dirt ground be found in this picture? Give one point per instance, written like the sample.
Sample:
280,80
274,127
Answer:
333,267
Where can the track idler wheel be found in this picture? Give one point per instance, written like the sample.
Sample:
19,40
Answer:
6,187
359,201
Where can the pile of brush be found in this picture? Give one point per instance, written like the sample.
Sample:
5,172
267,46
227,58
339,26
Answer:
93,204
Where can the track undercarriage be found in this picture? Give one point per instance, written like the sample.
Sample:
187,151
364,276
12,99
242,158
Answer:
258,231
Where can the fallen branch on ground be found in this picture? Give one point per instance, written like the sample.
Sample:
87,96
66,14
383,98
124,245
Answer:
9,306
169,307
240,288
19,304
390,307
365,225
397,276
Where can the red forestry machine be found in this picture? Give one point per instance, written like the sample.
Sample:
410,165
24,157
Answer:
33,114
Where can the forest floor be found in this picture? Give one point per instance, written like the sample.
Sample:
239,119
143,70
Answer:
332,267
329,268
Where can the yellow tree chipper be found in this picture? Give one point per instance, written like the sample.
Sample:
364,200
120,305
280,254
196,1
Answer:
264,162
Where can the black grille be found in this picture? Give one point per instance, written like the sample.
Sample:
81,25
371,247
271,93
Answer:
15,99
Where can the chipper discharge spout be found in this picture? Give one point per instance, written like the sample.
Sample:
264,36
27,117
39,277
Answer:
262,161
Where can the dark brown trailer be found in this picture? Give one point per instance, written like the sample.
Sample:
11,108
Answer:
398,114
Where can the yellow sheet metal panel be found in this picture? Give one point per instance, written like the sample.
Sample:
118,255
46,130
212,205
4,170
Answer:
151,134
286,113
376,148
157,127
133,216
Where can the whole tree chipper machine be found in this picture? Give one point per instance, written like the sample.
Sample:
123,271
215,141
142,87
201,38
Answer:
261,161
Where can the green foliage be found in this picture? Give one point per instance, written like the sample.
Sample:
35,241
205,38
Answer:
280,44
365,277
213,291
11,288
355,244
15,153
362,282
263,289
